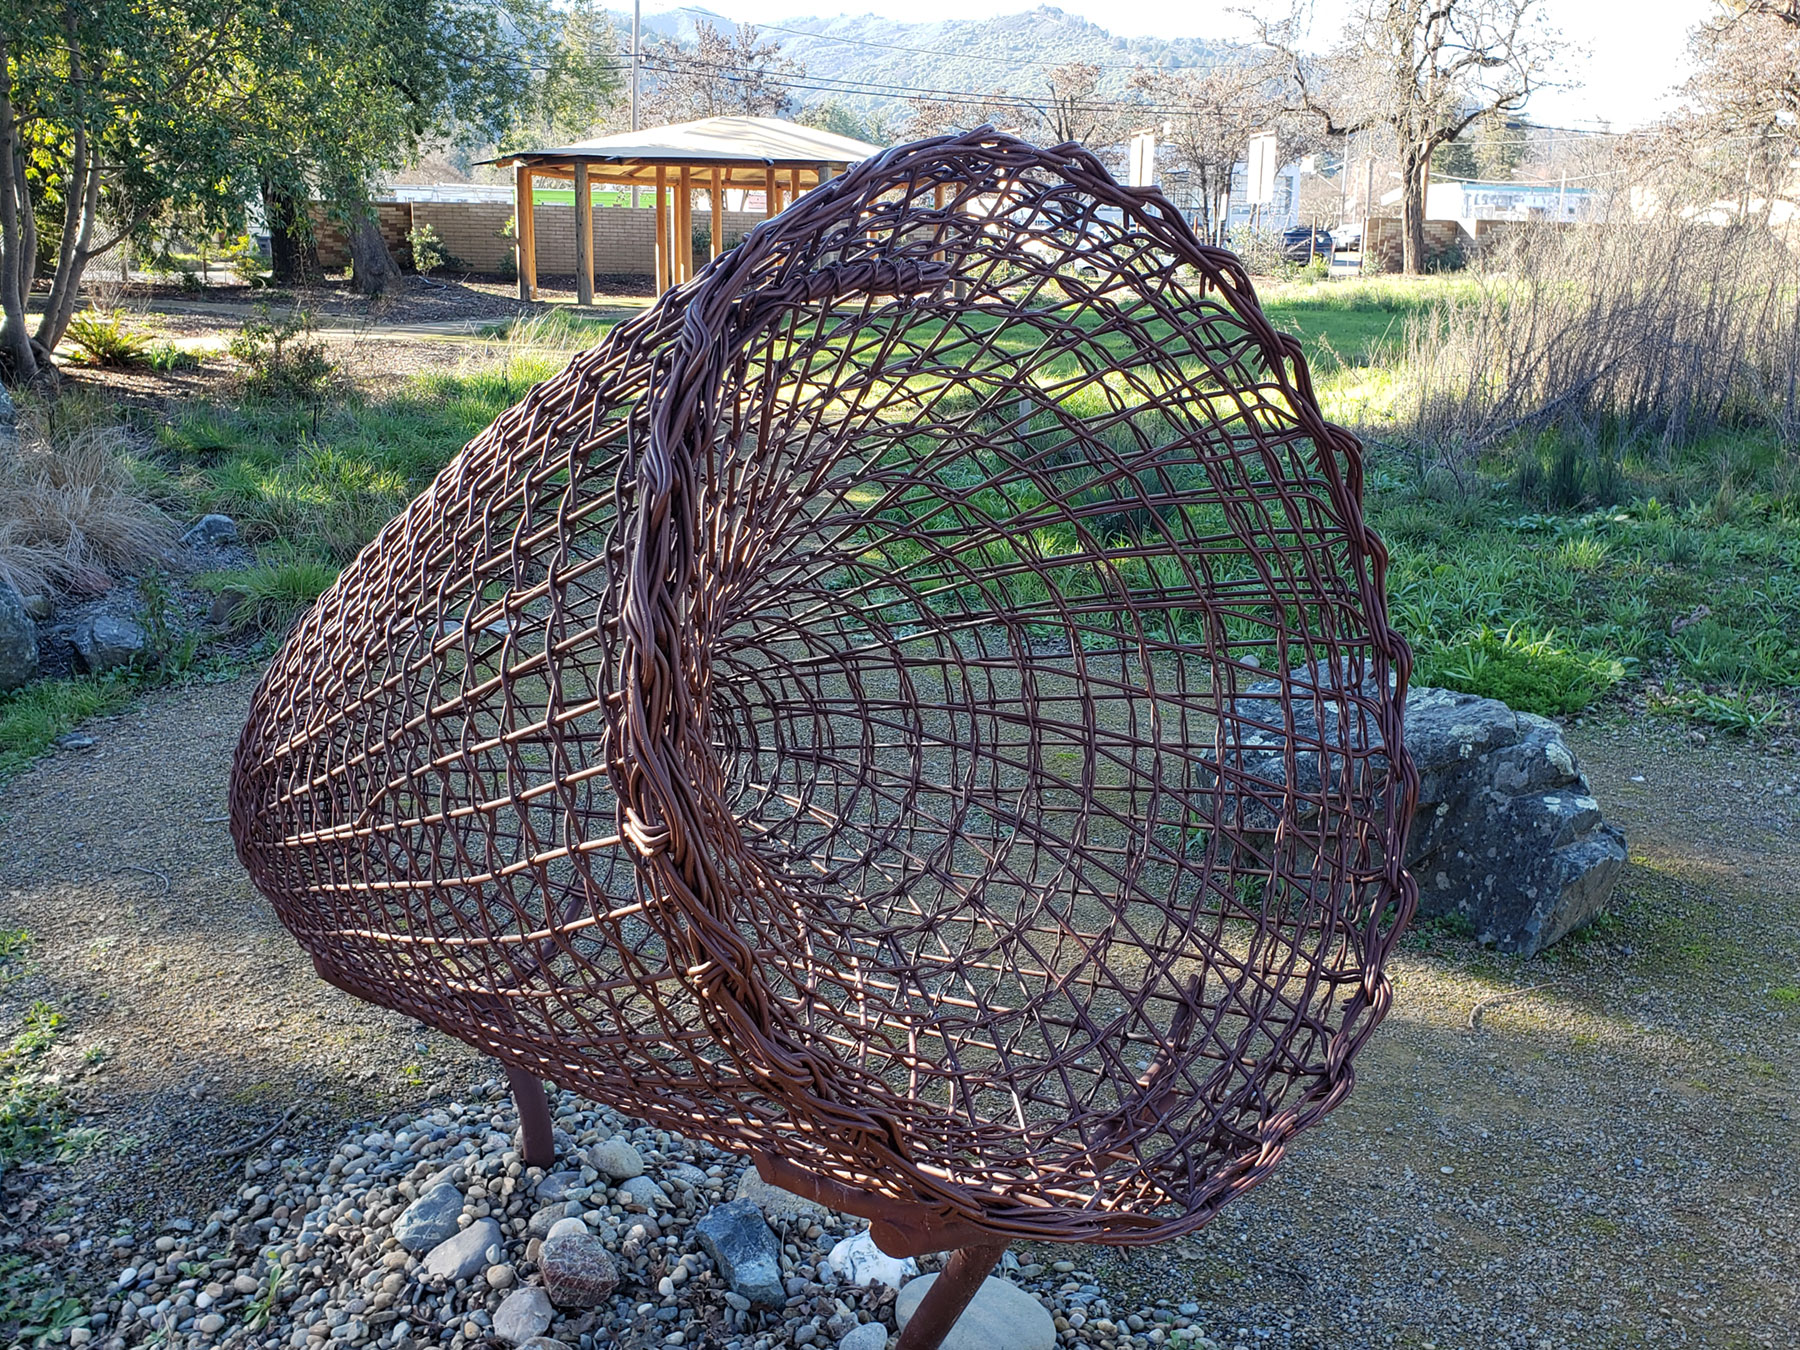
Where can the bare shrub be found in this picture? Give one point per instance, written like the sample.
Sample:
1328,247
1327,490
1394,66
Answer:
1660,330
69,511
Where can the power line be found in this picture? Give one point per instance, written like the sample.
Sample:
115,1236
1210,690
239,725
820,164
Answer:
940,51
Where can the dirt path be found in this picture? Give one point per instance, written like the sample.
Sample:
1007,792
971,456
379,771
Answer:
1612,1158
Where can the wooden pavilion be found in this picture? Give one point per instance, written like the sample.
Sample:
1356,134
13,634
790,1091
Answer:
714,155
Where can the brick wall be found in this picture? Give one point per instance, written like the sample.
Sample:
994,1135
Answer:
624,237
393,218
1383,250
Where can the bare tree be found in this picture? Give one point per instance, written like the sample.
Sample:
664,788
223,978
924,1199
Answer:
1741,120
1071,108
1425,69
1206,119
721,75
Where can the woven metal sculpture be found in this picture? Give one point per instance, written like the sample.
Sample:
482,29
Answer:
916,707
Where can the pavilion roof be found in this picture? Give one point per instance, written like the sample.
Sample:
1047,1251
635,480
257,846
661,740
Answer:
710,141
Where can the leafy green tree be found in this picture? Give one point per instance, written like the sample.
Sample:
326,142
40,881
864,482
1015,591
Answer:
120,113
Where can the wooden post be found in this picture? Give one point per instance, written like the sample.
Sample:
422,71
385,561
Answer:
662,229
684,227
525,227
718,212
769,207
584,236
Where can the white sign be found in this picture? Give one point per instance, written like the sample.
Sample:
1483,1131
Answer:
1259,188
1143,160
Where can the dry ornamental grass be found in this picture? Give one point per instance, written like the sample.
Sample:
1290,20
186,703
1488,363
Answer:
70,513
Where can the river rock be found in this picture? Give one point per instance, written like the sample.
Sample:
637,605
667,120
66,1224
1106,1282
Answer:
524,1314
210,531
641,1193
745,1251
858,1260
1001,1316
467,1254
18,640
430,1219
578,1271
776,1203
1507,834
869,1336
616,1159
105,642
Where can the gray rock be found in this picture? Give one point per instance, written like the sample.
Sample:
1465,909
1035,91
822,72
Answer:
18,640
105,642
776,1203
641,1193
555,1188
545,1219
1507,834
467,1254
578,1271
1001,1316
430,1219
745,1251
210,531
543,1343
869,1336
617,1159
526,1313
568,1225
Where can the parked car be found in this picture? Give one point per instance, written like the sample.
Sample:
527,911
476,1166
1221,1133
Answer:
1301,243
1347,238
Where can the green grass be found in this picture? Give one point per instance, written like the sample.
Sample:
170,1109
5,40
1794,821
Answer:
33,717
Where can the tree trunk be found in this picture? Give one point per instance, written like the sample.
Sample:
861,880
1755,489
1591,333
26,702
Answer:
1414,168
18,362
293,251
372,267
81,210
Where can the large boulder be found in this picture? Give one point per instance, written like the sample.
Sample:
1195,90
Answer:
1507,834
18,640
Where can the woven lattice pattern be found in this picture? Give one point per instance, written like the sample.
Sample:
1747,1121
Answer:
833,717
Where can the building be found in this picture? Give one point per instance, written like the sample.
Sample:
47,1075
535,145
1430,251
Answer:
1468,200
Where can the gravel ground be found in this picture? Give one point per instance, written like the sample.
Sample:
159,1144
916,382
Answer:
1609,1157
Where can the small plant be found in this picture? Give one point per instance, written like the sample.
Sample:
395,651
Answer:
1530,674
259,1309
165,358
106,339
1731,711
428,251
167,650
242,256
33,1112
271,594
281,356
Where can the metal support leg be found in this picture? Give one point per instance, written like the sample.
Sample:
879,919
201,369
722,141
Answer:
534,1117
948,1296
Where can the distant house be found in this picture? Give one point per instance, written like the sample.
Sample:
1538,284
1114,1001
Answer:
1468,200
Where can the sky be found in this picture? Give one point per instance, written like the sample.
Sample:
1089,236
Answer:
1624,56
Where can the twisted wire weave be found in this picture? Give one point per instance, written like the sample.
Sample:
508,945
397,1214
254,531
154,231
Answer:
833,718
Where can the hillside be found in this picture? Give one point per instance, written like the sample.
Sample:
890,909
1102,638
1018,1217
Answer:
875,62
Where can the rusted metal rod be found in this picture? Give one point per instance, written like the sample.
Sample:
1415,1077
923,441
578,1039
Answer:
949,1295
537,1134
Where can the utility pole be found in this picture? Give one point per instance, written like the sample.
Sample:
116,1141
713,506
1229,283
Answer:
636,24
